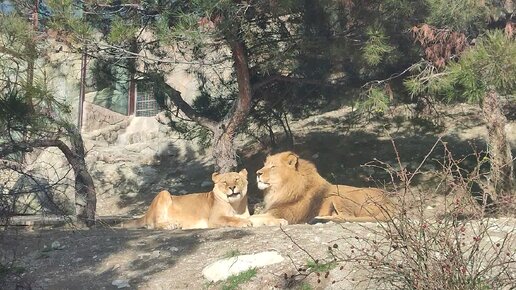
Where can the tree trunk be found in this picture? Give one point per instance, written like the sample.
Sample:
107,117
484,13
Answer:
85,194
501,162
224,132
224,152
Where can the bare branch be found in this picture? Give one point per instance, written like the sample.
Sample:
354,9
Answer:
131,54
11,52
178,101
289,79
28,146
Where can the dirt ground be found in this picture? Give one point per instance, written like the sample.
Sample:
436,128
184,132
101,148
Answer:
66,258
158,259
146,259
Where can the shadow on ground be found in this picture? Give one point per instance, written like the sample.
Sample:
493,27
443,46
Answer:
173,169
93,259
343,158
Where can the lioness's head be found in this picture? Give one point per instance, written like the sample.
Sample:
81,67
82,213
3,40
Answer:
277,169
231,186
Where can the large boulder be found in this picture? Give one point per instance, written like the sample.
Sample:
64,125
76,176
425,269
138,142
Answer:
35,195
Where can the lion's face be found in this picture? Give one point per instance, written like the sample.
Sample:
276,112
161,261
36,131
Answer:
231,186
277,170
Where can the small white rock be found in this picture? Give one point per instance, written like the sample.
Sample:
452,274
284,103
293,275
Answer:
222,269
56,246
132,194
144,255
120,283
155,254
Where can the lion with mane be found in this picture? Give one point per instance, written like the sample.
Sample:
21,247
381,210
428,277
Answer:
294,192
224,206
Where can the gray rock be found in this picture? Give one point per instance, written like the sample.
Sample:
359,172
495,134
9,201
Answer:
155,254
206,183
144,255
222,269
121,283
57,246
132,194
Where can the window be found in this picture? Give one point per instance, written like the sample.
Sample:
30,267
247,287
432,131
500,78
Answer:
146,105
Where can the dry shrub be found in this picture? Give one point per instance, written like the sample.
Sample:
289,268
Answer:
439,45
460,246
457,244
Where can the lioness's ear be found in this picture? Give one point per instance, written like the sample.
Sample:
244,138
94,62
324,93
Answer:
292,160
243,172
214,176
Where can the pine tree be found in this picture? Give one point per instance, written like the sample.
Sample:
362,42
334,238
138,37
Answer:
30,116
483,72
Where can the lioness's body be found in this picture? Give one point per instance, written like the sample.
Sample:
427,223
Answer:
294,192
224,206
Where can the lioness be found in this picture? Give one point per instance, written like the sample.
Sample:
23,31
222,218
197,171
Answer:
224,206
294,192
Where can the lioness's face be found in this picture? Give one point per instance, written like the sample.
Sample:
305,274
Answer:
276,169
231,186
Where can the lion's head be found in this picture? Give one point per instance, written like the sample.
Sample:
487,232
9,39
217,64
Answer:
277,170
285,169
285,178
231,186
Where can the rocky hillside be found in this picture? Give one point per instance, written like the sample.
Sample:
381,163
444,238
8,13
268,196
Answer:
132,160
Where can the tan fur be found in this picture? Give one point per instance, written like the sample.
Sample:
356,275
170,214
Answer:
213,209
294,192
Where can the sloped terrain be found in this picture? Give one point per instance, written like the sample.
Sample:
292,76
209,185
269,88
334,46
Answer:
130,169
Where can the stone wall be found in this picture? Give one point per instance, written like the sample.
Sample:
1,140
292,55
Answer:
96,117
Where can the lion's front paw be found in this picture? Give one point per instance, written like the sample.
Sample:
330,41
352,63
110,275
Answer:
283,222
257,222
319,220
245,224
276,222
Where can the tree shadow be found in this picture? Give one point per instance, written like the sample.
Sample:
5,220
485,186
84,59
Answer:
342,157
93,259
174,169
